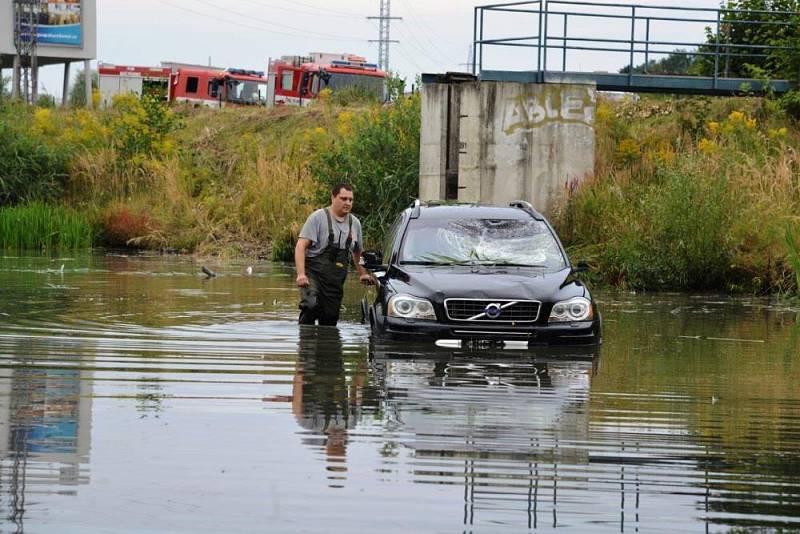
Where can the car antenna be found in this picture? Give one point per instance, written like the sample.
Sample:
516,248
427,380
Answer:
527,207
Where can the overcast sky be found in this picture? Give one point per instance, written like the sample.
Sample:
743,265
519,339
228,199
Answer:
434,35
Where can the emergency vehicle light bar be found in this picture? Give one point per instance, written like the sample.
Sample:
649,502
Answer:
246,72
339,63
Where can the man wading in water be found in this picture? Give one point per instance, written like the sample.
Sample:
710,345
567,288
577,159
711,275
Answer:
328,237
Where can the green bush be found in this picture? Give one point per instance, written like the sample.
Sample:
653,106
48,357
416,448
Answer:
790,103
30,168
377,152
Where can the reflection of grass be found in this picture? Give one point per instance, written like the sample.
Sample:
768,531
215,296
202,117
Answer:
38,226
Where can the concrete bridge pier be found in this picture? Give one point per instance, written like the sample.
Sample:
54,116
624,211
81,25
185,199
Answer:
493,142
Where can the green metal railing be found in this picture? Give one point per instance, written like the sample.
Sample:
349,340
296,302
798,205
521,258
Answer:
552,34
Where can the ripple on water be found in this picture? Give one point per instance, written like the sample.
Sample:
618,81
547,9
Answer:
150,399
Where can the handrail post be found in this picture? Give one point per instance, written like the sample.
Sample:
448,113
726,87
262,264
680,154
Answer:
539,39
716,51
647,45
633,38
480,47
564,47
544,39
475,40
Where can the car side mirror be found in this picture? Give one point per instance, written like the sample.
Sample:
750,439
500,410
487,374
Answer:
373,260
580,267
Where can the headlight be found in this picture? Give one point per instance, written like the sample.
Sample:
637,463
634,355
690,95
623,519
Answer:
575,309
410,307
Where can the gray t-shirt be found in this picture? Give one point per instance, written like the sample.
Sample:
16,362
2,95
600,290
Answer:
316,230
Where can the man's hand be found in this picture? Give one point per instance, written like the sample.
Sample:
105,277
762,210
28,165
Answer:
367,279
302,280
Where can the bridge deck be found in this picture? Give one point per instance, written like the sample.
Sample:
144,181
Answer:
643,83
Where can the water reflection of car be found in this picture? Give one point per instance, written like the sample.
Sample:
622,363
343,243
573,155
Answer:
473,272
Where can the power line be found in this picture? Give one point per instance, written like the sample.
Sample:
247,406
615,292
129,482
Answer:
317,11
422,50
303,31
336,11
427,31
252,27
411,60
384,20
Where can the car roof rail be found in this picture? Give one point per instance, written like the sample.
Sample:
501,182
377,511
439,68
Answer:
416,209
527,207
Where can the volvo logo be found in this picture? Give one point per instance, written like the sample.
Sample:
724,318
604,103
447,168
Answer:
493,310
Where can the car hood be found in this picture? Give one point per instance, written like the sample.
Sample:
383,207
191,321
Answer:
440,283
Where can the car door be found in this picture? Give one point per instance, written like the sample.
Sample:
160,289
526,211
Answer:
375,311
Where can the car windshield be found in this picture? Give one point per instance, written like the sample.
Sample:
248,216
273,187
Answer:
527,243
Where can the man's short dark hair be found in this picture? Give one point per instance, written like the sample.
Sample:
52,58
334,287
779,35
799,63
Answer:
338,187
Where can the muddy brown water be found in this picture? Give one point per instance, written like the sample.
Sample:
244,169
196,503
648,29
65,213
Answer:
135,395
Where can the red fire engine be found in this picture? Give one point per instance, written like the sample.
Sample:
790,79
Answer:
117,79
297,80
292,80
218,89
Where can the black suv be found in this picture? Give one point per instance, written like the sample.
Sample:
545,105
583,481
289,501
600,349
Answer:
478,273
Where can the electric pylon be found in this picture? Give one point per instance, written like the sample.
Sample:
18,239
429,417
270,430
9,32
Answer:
384,21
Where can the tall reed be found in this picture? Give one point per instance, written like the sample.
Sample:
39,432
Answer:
38,226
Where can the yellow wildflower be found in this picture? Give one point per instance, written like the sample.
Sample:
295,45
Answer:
736,116
750,123
43,121
706,146
779,133
713,127
628,151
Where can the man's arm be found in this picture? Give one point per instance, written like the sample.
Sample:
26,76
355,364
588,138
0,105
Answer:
300,260
363,274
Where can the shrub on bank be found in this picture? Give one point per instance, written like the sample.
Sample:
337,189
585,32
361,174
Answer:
702,204
30,168
377,151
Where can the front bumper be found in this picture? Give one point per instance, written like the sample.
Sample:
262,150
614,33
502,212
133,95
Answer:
578,333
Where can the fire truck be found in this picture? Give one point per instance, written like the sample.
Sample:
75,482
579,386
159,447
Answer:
218,89
298,80
291,80
116,80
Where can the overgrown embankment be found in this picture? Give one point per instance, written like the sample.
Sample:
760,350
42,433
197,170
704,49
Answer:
235,181
691,193
688,193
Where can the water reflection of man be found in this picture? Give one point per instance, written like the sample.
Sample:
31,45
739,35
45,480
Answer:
322,399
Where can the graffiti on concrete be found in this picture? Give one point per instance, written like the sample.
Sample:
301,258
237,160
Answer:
549,104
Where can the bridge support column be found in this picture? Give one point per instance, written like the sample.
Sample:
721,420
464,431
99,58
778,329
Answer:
493,142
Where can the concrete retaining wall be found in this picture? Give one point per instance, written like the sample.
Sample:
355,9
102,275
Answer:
493,142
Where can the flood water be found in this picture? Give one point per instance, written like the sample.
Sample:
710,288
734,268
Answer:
135,395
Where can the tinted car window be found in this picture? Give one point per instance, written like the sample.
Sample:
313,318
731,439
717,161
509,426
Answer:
526,242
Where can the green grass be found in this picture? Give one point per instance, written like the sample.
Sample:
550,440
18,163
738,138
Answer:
38,226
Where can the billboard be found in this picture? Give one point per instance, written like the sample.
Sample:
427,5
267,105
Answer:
58,22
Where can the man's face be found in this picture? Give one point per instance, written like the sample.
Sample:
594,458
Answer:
342,203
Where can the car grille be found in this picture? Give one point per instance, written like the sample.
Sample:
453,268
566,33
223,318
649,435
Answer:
474,310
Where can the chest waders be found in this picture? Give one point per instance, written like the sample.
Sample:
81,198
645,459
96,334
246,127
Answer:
322,299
